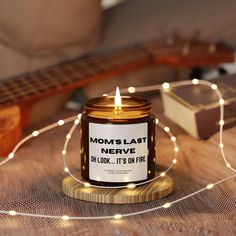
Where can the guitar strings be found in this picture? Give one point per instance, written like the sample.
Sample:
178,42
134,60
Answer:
23,89
16,89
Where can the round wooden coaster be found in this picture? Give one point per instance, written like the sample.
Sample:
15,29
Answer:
157,189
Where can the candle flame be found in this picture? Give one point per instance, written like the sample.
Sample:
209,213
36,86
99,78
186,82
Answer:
118,102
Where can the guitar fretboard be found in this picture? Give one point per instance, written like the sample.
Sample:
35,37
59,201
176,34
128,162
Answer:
79,72
85,70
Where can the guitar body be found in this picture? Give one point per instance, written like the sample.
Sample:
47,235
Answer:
10,129
14,118
17,95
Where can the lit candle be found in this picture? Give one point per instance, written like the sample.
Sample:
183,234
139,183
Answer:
118,101
117,140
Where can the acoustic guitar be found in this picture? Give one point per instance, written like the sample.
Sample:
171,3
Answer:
17,95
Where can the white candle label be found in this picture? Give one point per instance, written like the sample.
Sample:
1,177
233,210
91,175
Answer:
118,153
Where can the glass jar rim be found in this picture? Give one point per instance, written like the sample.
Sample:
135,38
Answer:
107,103
104,107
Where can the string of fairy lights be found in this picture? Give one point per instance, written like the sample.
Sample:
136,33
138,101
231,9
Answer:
76,122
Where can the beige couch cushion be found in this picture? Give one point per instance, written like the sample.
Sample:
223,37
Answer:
38,33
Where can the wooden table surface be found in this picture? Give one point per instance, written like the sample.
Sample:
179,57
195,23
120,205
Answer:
32,183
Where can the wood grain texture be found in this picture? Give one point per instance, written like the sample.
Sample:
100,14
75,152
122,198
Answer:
10,128
152,191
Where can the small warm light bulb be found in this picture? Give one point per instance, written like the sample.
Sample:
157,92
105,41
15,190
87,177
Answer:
12,213
162,174
117,216
210,186
63,152
65,217
131,89
195,81
221,122
173,138
167,129
222,101
228,165
61,122
165,86
214,86
11,155
35,133
167,205
176,149
131,185
86,184
221,145
174,161
68,136
66,169
105,95
76,122
118,102
157,121
79,116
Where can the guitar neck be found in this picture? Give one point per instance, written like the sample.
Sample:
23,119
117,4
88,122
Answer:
71,75
86,70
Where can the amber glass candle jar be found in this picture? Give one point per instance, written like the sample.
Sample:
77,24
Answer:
117,143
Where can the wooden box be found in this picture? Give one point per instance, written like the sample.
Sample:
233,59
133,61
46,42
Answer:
196,107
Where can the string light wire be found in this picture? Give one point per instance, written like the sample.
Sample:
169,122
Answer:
76,120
